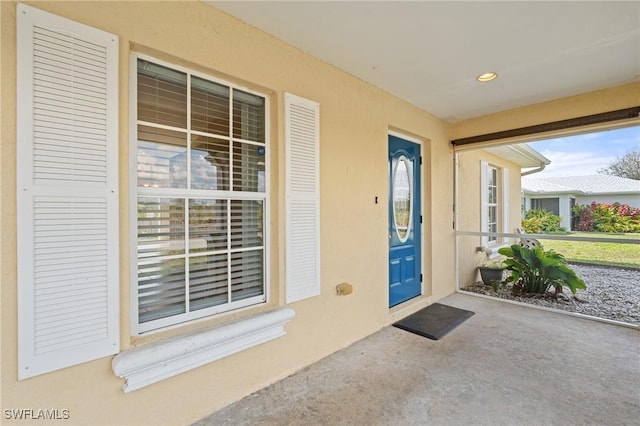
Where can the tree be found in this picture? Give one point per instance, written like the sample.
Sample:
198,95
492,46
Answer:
627,166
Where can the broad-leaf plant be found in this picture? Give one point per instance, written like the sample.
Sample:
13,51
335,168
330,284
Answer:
535,271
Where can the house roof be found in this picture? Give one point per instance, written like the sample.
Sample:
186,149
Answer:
592,184
430,53
521,154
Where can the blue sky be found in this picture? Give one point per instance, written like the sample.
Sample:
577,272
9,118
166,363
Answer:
584,154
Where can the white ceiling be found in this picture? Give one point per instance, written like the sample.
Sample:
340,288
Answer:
429,53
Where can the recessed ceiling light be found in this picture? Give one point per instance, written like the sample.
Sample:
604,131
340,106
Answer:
487,76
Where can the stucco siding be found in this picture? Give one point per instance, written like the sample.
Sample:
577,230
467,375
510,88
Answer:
355,119
354,123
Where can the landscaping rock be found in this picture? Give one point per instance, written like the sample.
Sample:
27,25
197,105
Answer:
612,293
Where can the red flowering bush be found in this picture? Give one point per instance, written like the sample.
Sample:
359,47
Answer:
609,217
585,218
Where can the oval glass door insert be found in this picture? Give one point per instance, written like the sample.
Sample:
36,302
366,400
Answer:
402,198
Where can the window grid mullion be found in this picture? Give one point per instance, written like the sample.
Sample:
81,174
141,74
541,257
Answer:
200,133
231,188
228,251
246,249
187,258
209,135
187,219
161,126
248,142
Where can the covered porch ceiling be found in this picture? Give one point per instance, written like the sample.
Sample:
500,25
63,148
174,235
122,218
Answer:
430,53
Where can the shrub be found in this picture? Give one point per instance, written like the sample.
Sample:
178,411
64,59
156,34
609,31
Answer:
532,225
610,217
541,220
585,218
534,271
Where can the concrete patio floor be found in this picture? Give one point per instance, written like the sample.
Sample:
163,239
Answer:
507,364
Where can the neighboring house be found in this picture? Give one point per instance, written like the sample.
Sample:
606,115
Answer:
489,200
182,193
560,194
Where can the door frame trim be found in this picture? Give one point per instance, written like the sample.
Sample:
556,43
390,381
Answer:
420,142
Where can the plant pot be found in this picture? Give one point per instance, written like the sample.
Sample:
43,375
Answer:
490,274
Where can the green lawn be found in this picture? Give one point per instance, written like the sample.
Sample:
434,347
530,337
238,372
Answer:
599,253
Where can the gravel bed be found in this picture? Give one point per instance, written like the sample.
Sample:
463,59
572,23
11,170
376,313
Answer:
612,293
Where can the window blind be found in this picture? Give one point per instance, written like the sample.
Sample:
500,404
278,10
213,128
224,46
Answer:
201,195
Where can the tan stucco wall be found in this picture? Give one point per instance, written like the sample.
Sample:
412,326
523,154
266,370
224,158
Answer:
612,99
469,209
355,119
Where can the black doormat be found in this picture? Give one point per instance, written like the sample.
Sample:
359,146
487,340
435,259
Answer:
435,321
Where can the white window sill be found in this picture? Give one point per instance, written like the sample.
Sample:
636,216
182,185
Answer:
157,361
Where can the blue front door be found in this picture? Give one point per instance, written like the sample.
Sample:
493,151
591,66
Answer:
404,220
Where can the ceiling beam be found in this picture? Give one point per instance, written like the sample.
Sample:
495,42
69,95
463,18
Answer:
587,120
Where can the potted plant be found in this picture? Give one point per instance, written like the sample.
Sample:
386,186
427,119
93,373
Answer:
535,271
491,271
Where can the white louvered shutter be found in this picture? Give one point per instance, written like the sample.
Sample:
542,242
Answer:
484,202
505,201
67,192
302,140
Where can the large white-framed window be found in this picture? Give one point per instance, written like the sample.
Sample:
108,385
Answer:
200,166
494,189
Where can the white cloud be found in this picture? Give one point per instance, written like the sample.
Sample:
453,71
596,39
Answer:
573,164
585,154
